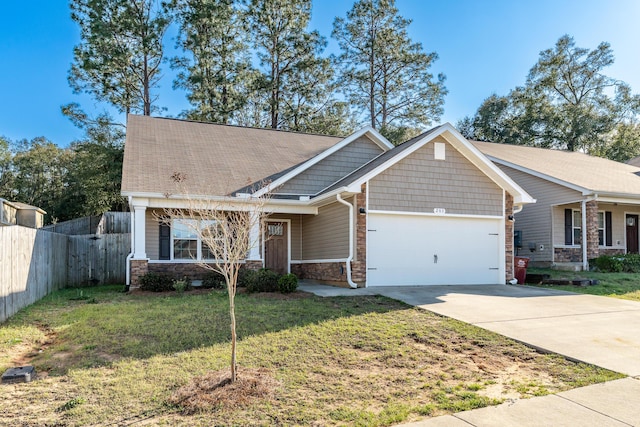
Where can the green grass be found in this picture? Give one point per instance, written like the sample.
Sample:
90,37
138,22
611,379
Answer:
617,285
362,361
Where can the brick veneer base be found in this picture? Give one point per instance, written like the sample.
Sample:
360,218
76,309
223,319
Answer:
567,254
190,270
333,272
139,267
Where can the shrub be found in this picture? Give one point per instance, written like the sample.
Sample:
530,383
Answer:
288,283
608,264
181,285
156,282
245,277
631,263
264,280
214,280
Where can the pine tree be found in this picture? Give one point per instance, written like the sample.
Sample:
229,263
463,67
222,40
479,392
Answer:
217,71
119,56
384,72
296,80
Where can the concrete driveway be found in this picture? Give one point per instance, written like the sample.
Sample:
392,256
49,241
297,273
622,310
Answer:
599,330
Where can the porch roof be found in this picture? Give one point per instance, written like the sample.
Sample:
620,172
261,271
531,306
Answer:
588,174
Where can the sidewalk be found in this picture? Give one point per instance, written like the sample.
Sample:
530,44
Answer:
614,403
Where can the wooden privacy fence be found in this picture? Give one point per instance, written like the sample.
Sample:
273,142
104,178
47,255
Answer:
34,263
98,259
107,223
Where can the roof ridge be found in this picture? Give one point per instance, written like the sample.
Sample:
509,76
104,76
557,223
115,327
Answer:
177,119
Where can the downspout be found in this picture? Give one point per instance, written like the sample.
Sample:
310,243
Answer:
128,261
350,258
585,261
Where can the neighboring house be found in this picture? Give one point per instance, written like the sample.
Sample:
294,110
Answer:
16,213
353,210
585,206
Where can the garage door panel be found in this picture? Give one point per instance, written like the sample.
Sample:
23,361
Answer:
424,250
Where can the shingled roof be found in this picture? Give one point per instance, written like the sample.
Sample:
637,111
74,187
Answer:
216,159
588,173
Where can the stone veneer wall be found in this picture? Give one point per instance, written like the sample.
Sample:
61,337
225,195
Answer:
592,229
508,232
567,254
326,271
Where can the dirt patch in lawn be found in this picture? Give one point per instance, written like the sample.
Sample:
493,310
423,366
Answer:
214,390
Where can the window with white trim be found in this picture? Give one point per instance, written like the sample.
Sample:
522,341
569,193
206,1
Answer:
602,229
577,227
186,239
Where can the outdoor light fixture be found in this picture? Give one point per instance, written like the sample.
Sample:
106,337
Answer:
362,211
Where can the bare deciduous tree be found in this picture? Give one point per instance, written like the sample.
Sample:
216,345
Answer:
228,228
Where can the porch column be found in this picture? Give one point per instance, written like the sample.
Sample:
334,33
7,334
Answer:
592,230
139,241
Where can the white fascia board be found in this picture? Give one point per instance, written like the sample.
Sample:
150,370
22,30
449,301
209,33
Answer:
581,190
375,136
484,163
272,206
628,199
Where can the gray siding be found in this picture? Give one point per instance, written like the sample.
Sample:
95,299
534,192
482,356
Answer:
419,183
332,169
152,234
326,235
535,220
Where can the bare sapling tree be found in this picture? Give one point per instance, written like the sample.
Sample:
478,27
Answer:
228,228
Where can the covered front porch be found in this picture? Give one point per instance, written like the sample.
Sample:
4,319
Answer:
586,229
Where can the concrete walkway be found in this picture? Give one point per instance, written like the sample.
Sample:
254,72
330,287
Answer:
598,330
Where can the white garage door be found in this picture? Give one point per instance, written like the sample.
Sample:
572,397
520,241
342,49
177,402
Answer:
433,250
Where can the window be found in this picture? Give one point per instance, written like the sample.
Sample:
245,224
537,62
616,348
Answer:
186,238
573,228
577,228
601,229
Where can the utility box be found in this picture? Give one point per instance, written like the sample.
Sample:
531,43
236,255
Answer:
517,238
22,374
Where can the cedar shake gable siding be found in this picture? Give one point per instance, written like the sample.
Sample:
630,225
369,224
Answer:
454,184
332,169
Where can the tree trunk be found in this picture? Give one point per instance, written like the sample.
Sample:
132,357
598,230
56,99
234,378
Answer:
372,88
232,313
147,94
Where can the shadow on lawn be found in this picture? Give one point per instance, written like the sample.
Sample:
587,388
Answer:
116,326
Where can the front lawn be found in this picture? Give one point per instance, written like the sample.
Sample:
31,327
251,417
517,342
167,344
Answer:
109,358
618,285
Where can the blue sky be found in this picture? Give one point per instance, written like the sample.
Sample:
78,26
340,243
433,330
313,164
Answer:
484,47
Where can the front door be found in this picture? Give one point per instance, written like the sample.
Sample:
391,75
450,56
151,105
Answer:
276,250
632,234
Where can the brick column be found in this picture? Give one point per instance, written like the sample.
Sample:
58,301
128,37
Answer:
139,267
508,237
359,264
592,229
